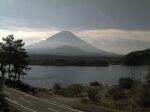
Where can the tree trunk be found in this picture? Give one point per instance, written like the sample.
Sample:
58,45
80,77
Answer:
2,81
9,64
18,77
9,71
2,71
3,75
15,77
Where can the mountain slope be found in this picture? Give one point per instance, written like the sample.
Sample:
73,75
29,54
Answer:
69,51
66,43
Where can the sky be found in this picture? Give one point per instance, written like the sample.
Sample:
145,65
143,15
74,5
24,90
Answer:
119,26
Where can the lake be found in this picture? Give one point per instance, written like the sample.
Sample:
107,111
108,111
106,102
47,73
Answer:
46,76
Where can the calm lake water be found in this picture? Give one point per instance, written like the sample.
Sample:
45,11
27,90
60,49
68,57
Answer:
46,76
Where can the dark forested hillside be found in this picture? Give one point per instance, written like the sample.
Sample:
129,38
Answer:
66,60
137,58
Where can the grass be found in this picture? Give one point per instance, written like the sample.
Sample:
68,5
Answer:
89,107
106,104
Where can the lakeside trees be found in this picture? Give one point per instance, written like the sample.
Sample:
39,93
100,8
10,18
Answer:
3,63
13,61
13,58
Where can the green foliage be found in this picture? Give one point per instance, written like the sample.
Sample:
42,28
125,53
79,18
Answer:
93,94
147,78
116,94
57,88
84,100
96,83
137,58
146,91
73,90
67,60
3,64
146,97
7,47
20,59
125,83
14,55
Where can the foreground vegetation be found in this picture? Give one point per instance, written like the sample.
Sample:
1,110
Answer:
128,95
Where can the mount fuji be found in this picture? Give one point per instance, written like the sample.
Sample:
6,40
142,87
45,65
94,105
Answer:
65,43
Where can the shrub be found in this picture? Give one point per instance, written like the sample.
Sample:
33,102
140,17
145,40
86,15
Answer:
57,88
84,100
96,83
125,83
93,94
75,90
116,94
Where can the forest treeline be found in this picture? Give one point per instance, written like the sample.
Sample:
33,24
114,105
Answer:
137,58
66,60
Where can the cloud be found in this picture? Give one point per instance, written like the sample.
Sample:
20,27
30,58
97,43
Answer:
27,34
119,41
114,34
115,40
76,14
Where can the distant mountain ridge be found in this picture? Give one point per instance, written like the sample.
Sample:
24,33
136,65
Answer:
66,43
